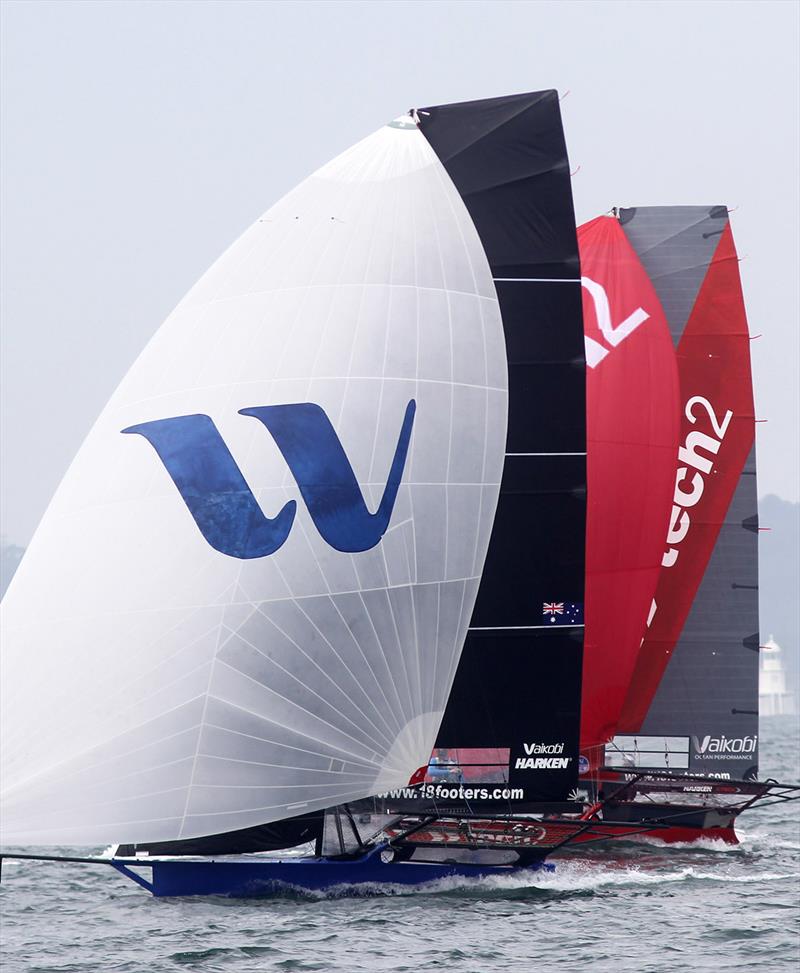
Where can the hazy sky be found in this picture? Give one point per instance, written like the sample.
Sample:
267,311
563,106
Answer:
140,138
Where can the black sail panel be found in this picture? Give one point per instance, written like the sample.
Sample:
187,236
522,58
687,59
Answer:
515,701
508,159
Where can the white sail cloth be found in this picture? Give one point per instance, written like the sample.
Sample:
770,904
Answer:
156,688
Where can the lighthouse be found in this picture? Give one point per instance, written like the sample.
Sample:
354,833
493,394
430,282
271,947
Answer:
773,697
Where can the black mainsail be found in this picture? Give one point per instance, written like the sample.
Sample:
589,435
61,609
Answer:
516,693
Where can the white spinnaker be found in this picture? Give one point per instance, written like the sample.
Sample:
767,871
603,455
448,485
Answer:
154,688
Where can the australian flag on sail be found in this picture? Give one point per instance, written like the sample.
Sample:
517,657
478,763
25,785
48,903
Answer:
562,613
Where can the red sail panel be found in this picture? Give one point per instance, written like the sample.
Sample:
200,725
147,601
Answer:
632,439
717,435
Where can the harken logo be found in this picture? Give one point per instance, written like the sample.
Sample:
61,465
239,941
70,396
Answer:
542,756
723,747
223,506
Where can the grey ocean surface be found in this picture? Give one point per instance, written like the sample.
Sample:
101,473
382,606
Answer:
630,907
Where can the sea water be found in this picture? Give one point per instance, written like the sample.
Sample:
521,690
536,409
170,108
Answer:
638,906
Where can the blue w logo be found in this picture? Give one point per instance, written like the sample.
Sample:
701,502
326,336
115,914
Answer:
223,506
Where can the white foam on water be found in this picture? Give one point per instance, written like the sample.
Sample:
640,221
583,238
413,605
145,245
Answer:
768,840
567,877
699,844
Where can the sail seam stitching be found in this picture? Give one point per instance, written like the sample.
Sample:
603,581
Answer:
509,628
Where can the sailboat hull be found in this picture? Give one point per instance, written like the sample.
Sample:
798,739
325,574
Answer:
249,878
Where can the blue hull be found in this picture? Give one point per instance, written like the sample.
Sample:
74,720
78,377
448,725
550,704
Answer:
249,878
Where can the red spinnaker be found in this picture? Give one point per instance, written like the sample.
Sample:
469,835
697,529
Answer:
717,434
632,439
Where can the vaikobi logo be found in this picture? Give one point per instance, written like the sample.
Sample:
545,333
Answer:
542,756
724,748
